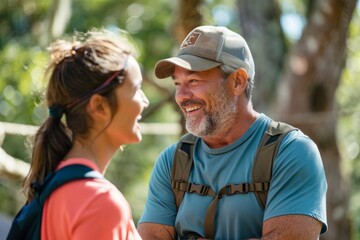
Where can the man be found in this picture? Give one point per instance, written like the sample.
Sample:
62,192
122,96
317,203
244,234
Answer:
213,74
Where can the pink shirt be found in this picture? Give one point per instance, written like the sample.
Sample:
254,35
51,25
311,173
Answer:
87,209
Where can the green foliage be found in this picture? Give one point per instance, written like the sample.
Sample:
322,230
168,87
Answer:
21,85
24,58
7,200
348,99
24,27
130,169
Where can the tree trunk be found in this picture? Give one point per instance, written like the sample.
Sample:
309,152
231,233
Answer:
57,19
260,25
188,18
306,98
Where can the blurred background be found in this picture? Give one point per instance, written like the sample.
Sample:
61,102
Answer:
307,57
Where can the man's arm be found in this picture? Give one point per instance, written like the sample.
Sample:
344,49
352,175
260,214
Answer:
149,231
299,227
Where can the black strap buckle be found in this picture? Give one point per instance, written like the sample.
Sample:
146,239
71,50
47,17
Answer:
204,189
232,189
199,189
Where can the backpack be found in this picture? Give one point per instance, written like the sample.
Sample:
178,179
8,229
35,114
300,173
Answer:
261,172
27,223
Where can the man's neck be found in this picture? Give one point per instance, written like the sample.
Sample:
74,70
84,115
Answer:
233,132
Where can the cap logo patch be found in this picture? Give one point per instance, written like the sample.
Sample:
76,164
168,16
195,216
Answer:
190,40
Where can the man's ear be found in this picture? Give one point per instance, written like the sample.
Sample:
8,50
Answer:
240,78
98,108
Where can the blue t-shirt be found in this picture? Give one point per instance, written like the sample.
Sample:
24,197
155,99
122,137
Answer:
298,186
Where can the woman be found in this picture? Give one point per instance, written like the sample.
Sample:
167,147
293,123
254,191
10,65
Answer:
96,84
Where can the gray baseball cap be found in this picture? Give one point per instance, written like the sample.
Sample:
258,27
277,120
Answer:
208,47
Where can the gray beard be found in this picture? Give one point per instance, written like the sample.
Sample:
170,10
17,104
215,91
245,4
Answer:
218,121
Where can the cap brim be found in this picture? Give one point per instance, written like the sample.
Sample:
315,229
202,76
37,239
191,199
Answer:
165,68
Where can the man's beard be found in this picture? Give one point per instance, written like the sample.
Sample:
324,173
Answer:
218,120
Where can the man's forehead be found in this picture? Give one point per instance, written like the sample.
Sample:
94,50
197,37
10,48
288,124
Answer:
183,71
189,73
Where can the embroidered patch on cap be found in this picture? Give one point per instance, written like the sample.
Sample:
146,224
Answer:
190,40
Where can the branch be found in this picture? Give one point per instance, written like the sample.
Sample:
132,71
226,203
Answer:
154,107
153,83
16,169
12,167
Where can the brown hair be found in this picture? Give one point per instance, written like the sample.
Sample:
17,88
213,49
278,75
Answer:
76,69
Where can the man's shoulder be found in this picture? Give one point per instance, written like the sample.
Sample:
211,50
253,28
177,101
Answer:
298,138
299,149
169,151
166,156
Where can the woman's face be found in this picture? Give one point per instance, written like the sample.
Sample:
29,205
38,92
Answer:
131,101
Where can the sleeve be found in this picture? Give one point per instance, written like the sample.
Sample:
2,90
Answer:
298,184
160,205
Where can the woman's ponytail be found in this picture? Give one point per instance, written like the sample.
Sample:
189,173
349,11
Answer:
52,142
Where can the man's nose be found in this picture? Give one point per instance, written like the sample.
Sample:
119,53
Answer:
182,93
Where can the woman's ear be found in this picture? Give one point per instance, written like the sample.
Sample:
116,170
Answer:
240,78
98,108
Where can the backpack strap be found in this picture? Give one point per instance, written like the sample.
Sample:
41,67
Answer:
27,222
180,172
62,176
261,175
265,156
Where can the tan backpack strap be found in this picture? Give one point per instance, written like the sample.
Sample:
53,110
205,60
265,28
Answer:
262,172
267,152
228,190
181,166
209,222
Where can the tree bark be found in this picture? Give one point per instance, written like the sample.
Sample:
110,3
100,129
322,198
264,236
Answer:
260,25
306,98
188,17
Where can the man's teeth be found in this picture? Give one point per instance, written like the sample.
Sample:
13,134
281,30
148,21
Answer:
189,109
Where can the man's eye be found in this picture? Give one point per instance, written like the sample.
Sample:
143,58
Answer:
193,81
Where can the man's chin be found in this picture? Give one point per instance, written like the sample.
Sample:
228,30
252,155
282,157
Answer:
195,130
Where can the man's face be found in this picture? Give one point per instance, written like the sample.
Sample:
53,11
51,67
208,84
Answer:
204,98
